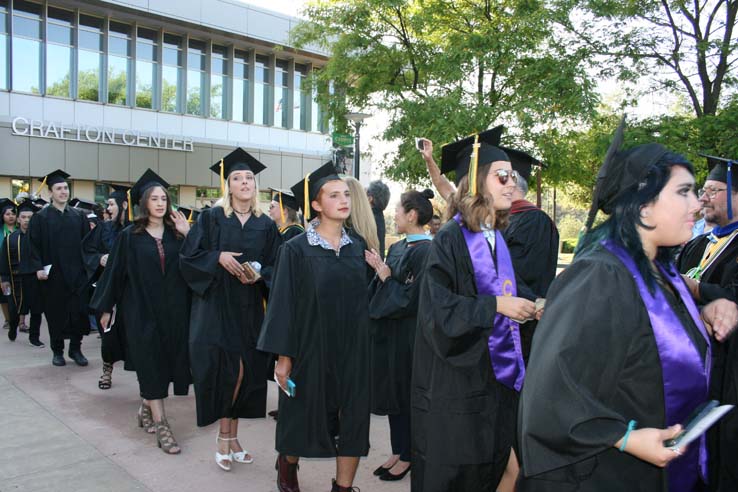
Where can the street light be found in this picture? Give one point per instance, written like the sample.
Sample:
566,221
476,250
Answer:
357,119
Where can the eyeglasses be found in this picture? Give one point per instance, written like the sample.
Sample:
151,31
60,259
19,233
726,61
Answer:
710,192
503,175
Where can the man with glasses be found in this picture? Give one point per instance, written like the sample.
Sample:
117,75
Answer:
708,265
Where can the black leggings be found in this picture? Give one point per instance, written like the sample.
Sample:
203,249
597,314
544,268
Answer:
400,435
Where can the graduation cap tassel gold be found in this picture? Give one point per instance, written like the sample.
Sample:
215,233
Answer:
222,178
306,205
473,164
130,206
42,185
281,208
189,217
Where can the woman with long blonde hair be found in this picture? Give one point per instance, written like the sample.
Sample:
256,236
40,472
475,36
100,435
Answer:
226,260
361,220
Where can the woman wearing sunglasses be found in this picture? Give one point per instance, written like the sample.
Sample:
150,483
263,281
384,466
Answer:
468,364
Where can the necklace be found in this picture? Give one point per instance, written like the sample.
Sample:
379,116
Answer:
242,213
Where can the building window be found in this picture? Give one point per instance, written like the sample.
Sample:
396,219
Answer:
218,81
171,73
240,108
146,67
207,196
281,93
195,77
119,62
59,52
102,192
262,90
173,195
27,46
301,99
90,57
3,44
19,186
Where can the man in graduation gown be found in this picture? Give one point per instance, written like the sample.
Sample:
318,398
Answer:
19,277
533,241
56,234
710,269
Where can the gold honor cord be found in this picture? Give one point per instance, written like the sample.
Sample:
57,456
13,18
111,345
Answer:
306,200
473,164
281,207
222,178
130,206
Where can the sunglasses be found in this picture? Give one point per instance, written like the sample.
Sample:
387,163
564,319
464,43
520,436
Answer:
503,175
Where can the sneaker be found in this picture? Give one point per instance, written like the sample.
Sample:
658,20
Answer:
37,343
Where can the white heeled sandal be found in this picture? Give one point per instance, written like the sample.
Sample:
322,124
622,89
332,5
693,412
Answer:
241,456
223,460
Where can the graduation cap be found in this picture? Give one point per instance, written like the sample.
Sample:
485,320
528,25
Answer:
5,204
83,204
39,202
285,199
120,192
190,213
522,162
53,178
721,169
466,153
238,160
621,170
147,180
27,206
307,189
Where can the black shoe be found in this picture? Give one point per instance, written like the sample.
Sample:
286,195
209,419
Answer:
390,477
273,414
12,334
58,360
37,343
381,471
77,357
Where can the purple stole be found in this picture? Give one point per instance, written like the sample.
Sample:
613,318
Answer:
505,350
685,376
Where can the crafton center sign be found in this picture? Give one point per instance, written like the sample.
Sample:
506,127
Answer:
94,134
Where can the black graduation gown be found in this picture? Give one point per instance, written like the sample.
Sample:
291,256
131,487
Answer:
720,281
291,231
156,306
393,307
462,419
57,241
533,241
17,267
594,367
381,229
227,315
318,316
97,243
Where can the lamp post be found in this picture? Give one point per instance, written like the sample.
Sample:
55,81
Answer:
357,119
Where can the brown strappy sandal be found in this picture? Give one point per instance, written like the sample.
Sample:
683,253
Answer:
106,380
165,439
145,419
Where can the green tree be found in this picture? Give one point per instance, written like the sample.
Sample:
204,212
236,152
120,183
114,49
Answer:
444,69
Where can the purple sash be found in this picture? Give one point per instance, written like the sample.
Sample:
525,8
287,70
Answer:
685,376
505,350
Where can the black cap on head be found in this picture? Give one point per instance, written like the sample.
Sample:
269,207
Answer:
719,170
83,204
190,213
27,206
314,181
238,160
456,156
39,202
7,203
285,198
120,192
54,177
146,181
521,161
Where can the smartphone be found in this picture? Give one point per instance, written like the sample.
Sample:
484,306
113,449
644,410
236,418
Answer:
291,388
420,143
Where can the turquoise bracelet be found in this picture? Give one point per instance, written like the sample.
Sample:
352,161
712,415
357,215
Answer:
631,425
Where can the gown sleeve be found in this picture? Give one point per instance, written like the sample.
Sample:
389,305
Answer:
4,260
397,296
577,367
277,332
197,262
35,238
273,242
112,282
455,325
92,250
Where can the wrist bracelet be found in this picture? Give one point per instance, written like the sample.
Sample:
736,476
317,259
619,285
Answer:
631,425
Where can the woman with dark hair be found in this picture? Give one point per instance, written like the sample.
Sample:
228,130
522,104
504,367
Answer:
468,364
96,248
227,261
142,280
317,322
393,306
621,356
9,213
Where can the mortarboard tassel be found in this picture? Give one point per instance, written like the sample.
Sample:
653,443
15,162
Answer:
306,205
38,191
222,178
281,208
730,191
189,218
130,206
473,164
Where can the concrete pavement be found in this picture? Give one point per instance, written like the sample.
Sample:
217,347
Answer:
59,432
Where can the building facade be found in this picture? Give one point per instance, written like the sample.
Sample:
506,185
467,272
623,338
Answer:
106,89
